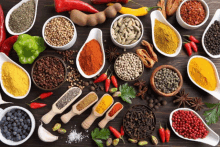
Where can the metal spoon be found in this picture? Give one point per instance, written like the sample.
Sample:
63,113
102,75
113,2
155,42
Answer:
2,101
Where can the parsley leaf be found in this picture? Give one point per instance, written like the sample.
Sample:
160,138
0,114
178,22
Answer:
212,115
127,93
98,142
100,134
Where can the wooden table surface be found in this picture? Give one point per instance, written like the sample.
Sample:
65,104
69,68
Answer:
162,115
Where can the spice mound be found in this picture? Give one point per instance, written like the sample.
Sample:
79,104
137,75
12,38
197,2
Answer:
126,30
203,73
193,12
49,72
128,67
166,80
117,107
104,104
22,18
14,79
86,101
187,124
139,122
59,31
165,38
91,57
212,40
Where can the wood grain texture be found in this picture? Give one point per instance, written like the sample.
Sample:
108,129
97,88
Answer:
162,115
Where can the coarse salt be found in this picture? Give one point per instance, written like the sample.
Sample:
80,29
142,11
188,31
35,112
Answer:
75,137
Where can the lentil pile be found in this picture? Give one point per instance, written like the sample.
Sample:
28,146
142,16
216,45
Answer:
166,80
212,39
59,31
128,66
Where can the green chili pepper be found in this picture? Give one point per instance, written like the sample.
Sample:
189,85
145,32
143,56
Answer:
28,48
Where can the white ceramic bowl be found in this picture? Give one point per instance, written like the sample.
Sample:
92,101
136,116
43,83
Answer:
211,139
68,45
13,143
187,26
159,16
9,14
215,17
97,35
130,46
5,58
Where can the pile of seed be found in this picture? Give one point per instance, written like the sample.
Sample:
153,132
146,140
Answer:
126,30
59,31
128,66
212,38
166,80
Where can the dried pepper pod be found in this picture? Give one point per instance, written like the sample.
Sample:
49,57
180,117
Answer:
150,50
56,127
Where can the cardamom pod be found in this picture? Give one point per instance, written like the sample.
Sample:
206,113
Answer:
56,126
142,143
109,142
61,131
132,140
154,140
115,142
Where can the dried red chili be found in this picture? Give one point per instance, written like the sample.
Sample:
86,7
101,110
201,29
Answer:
193,12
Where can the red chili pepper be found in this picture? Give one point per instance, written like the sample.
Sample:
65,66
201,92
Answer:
68,5
194,46
102,77
8,44
167,134
2,27
192,38
116,133
122,131
114,81
188,48
162,133
107,84
36,105
109,1
43,96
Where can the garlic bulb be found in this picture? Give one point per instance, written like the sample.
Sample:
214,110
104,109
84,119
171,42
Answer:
45,135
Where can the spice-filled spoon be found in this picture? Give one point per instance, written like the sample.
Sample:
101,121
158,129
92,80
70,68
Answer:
211,73
157,15
7,19
111,114
80,106
98,110
211,139
62,103
2,101
4,58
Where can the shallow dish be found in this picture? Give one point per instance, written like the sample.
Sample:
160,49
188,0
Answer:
187,26
14,8
211,139
12,143
159,16
66,46
159,92
130,46
215,17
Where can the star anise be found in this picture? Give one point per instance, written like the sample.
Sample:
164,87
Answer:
182,98
112,53
197,104
142,92
140,83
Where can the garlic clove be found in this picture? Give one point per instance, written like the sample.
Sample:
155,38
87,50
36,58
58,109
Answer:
45,135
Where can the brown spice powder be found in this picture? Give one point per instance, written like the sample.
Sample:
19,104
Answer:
86,101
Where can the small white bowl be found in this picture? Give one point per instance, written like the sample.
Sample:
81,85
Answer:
130,46
187,26
12,10
159,16
5,58
215,17
13,143
68,45
216,92
211,139
97,35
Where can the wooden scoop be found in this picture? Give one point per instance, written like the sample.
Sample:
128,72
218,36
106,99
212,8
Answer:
54,111
94,115
107,118
66,117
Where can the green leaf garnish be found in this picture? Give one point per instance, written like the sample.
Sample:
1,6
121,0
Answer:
127,93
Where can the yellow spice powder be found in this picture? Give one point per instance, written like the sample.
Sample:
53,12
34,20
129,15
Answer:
14,79
105,102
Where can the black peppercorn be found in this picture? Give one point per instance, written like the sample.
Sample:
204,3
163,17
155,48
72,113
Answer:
151,101
151,105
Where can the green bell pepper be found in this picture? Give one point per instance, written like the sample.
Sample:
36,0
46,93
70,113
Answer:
28,48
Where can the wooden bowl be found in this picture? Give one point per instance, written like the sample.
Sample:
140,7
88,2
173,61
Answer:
159,92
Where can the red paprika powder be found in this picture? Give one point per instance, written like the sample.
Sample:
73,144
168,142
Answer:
91,57
115,109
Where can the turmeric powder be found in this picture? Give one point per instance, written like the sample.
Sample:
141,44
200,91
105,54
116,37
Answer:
14,79
104,104
203,73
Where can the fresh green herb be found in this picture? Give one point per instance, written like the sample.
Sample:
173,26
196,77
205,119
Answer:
212,115
97,135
